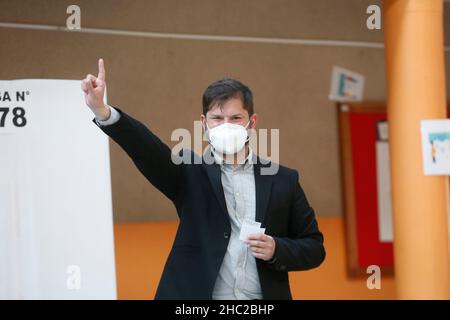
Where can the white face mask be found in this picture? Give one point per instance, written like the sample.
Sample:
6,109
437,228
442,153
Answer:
228,138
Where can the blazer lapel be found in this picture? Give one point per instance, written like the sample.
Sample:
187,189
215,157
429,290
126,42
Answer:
263,186
214,175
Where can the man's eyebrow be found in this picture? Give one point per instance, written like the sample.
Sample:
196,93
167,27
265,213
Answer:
222,115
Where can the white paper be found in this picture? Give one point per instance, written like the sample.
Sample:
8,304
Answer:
383,131
346,85
250,227
436,147
385,232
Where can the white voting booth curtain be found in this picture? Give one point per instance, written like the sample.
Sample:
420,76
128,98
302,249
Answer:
56,228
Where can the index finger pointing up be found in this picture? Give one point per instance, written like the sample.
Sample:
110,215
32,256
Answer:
101,70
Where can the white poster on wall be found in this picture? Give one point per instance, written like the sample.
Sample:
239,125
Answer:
56,227
385,231
436,147
384,200
346,85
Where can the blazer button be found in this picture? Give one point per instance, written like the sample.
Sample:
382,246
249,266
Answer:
283,268
226,235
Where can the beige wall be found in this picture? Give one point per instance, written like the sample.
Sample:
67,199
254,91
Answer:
160,81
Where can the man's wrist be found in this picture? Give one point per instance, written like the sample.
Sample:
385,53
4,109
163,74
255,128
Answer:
103,114
113,118
274,258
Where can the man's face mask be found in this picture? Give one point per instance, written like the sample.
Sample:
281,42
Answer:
228,138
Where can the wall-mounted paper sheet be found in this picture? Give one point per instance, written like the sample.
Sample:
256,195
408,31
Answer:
436,147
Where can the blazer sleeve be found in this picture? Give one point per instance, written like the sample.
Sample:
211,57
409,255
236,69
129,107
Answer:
303,249
151,156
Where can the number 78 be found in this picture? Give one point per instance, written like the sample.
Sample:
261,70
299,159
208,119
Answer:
18,120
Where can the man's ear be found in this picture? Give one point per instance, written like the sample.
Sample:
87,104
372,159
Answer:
203,120
253,121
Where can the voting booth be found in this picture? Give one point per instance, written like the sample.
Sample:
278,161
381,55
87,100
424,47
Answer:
56,227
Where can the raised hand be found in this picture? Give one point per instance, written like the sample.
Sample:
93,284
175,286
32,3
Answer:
94,92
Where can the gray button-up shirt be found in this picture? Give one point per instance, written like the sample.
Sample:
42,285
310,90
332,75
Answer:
238,276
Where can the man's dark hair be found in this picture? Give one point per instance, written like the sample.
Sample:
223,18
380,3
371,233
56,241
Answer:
222,90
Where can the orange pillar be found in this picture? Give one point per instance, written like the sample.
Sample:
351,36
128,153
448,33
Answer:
414,52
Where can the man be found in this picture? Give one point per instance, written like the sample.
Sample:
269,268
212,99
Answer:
213,200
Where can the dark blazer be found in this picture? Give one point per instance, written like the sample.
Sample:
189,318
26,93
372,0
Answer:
204,229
